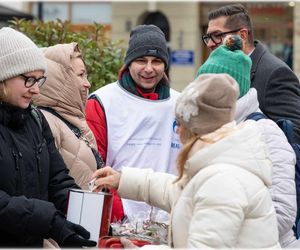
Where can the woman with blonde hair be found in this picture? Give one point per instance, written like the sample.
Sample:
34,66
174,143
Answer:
220,197
62,100
34,180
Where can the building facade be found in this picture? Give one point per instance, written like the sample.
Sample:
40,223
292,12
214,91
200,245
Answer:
277,24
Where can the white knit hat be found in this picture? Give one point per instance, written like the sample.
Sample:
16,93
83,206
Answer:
207,103
18,54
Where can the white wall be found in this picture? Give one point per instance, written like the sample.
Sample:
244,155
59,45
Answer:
17,5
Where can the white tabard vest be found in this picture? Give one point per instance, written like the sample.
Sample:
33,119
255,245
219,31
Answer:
141,133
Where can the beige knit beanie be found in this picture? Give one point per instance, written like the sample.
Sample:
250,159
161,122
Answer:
207,103
18,54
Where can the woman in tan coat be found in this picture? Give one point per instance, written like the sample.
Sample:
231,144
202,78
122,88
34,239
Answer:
62,100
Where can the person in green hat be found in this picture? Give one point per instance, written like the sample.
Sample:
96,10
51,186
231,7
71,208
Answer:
229,58
278,88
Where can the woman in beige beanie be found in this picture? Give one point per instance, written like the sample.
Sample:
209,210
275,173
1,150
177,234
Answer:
34,180
220,197
229,58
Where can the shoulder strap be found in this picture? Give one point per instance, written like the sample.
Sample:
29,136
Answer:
96,153
288,128
77,132
256,116
96,97
37,117
284,124
74,129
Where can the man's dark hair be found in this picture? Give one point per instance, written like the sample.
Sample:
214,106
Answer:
238,17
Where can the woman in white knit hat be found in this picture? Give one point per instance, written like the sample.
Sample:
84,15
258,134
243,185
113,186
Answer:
34,181
220,197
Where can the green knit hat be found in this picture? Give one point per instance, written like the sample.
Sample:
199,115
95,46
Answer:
229,58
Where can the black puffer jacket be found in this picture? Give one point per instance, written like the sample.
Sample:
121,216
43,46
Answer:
34,181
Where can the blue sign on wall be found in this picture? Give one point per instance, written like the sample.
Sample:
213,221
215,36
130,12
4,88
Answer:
183,57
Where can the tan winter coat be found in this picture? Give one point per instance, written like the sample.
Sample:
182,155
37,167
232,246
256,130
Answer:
61,92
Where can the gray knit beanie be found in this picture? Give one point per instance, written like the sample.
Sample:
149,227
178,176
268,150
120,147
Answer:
18,54
207,103
147,40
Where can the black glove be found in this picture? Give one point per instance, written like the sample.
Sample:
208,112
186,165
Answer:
79,239
68,234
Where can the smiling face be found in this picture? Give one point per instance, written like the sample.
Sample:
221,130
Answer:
16,92
80,71
147,72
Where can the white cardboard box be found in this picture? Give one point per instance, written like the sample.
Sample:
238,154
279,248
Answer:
91,210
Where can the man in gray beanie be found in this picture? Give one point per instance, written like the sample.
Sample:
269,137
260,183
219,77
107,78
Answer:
133,118
147,40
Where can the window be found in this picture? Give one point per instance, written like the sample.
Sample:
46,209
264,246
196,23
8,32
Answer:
76,12
91,12
52,11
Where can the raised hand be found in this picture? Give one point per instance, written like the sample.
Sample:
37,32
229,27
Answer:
105,178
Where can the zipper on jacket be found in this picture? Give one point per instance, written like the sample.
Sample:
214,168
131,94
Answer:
38,151
16,157
38,158
39,170
38,162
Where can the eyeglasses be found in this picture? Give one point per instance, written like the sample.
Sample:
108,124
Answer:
30,81
217,37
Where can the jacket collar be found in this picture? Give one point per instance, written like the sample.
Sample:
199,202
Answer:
256,56
246,105
12,116
243,148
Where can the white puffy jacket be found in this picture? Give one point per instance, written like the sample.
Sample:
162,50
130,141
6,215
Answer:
222,201
283,190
